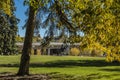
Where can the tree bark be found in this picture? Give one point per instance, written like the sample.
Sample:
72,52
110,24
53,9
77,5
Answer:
25,58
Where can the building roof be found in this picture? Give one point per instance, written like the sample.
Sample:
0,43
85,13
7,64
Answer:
52,43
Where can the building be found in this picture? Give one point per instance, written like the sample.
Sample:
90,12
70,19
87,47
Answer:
54,48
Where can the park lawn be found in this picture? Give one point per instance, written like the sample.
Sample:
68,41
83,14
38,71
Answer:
65,67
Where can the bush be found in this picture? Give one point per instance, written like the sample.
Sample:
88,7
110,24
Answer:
96,53
93,53
86,52
74,51
35,52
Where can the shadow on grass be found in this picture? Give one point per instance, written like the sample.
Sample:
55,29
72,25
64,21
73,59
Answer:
67,63
78,77
109,70
13,76
55,76
50,76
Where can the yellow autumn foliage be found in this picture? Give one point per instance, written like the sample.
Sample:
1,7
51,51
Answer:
5,6
74,51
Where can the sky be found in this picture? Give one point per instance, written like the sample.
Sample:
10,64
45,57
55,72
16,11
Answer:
20,13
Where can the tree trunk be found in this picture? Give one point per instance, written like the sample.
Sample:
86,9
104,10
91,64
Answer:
25,58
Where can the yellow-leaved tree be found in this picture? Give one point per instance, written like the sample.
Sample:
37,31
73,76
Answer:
99,20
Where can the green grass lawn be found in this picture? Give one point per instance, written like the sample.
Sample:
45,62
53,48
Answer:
65,67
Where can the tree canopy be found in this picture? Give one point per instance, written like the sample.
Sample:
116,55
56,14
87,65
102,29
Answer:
98,20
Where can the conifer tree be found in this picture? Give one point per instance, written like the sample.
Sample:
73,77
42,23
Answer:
8,27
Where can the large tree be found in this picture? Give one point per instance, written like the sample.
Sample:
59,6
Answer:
34,7
8,27
100,22
30,26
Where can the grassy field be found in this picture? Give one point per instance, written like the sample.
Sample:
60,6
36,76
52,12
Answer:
65,67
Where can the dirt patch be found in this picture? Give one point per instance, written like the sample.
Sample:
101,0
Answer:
12,76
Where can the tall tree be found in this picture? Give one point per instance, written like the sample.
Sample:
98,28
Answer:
34,5
25,58
8,27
